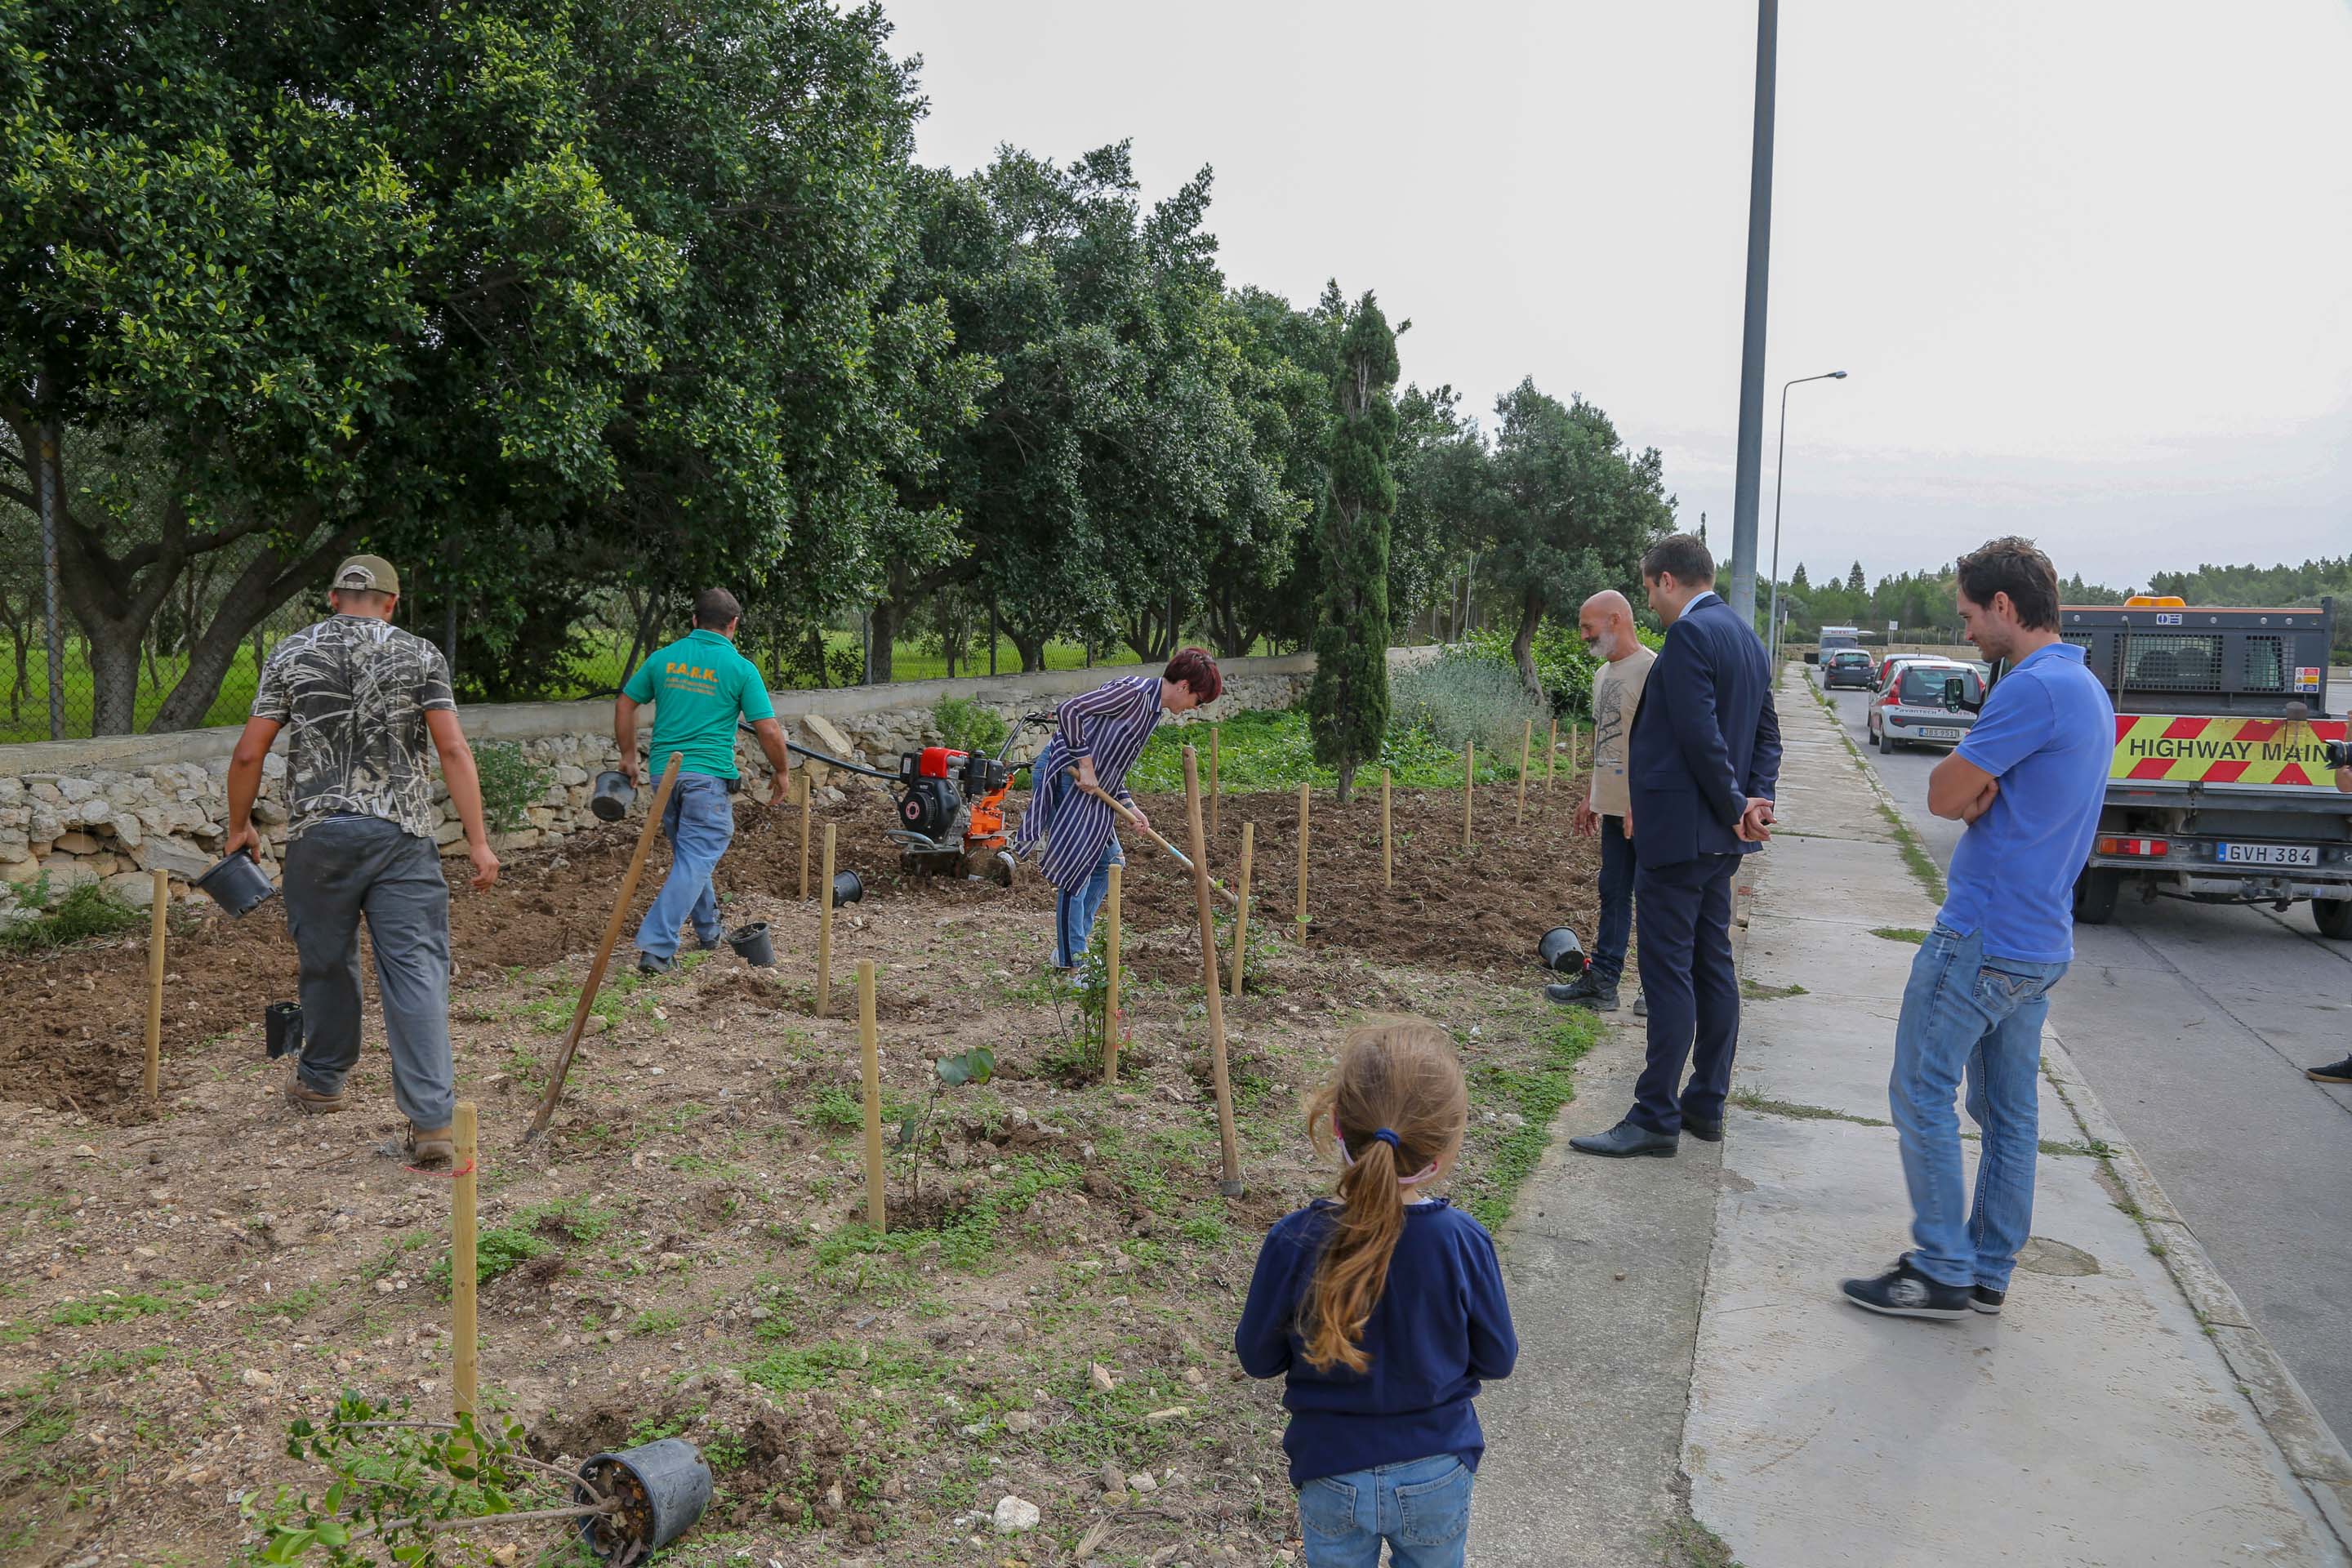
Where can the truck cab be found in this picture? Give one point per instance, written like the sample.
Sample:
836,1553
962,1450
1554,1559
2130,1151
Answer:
2219,790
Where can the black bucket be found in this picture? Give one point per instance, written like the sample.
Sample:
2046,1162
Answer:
236,883
846,888
281,1026
1560,950
753,945
613,792
664,1486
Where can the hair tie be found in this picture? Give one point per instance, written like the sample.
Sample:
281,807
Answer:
1384,1135
1380,1135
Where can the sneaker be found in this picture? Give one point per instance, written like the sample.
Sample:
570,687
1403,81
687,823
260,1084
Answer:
1583,993
1640,1006
310,1101
2334,1072
1986,1299
430,1146
709,943
1904,1292
654,964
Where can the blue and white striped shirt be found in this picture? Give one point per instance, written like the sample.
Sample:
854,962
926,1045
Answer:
1110,724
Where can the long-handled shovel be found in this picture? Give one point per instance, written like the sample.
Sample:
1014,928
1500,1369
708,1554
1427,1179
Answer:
605,953
1129,818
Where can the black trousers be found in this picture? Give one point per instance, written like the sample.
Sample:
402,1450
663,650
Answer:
1683,913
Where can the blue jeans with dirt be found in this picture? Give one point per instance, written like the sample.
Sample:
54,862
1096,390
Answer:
700,822
1420,1507
1609,938
1968,1015
1074,912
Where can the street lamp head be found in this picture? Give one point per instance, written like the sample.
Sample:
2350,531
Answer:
1837,375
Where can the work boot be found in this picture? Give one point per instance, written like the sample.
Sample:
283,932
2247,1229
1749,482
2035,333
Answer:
1584,992
430,1146
654,964
309,1101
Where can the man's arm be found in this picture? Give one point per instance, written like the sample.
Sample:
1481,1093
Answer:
1960,790
770,733
1698,735
624,735
245,782
465,782
1075,718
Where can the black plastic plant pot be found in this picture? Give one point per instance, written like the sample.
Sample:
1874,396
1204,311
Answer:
281,1026
1560,950
753,945
662,1488
610,800
236,883
846,888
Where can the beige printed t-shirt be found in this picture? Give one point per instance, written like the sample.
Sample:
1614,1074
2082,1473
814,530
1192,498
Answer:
1616,695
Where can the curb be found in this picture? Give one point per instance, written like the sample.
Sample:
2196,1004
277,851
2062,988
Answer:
2313,1454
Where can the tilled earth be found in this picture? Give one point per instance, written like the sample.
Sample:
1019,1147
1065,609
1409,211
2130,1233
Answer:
681,1254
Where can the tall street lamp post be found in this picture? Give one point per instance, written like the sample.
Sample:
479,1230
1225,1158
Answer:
1780,464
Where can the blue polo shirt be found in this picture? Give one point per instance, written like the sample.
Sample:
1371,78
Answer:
2048,735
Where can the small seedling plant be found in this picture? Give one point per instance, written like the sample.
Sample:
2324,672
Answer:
973,1066
405,1489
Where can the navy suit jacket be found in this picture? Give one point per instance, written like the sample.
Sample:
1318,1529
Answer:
1704,738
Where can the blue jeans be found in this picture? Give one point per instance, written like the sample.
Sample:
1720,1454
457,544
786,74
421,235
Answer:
1074,913
1608,958
1966,1014
699,822
1420,1507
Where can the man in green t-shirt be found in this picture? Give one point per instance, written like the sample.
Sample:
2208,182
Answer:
700,686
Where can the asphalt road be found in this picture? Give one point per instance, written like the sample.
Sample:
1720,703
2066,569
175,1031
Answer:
2193,1024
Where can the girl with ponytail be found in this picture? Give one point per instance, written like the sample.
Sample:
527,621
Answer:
1384,1309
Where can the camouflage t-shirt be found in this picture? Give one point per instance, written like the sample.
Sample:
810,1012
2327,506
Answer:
355,690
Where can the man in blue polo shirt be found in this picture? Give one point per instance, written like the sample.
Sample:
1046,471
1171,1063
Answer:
699,687
2028,782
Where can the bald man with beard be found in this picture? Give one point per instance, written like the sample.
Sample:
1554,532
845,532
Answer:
1606,621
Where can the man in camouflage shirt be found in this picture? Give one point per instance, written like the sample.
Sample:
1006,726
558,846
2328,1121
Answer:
361,697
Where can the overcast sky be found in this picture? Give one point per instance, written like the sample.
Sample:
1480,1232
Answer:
2089,263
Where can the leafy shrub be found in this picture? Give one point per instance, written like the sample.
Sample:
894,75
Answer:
86,911
1460,696
966,726
512,785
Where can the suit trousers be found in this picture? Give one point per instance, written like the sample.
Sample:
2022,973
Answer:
1683,913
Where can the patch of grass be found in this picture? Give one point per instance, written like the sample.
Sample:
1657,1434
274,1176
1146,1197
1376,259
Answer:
836,1110
1755,991
1748,1099
1915,858
889,1363
658,1321
86,911
1911,934
1535,1094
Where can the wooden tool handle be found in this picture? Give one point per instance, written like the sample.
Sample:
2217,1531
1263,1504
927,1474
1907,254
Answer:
604,951
1129,818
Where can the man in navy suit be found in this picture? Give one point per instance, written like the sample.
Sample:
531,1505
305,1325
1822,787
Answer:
1703,760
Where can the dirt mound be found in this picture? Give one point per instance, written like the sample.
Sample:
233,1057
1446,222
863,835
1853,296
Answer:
81,1016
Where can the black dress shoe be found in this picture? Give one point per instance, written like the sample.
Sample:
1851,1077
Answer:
1700,1128
1626,1139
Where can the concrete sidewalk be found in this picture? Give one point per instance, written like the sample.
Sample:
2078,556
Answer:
2107,1417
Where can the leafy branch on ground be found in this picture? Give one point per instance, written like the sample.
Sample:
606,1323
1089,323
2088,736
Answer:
43,923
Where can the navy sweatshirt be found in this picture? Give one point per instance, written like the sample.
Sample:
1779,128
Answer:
1440,1326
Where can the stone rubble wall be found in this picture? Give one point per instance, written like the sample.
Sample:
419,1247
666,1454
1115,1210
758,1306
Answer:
112,822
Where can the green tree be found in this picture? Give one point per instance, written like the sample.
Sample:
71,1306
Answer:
1347,706
1854,582
1574,509
1446,491
1797,583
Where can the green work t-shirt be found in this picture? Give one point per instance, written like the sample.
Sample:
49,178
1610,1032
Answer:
697,686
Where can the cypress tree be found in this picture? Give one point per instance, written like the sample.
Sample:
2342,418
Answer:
1348,707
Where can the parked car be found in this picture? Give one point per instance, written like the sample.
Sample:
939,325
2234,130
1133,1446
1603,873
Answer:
1892,662
1917,708
1847,667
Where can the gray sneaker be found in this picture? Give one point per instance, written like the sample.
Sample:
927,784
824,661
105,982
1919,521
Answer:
1640,1006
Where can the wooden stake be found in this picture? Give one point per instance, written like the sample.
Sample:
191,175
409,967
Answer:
1469,785
1110,995
1302,863
1241,920
1216,794
605,953
808,795
462,1256
1229,1145
869,1051
1551,753
1571,752
1527,754
824,933
153,1079
1388,851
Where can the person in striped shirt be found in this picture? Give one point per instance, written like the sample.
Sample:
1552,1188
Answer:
1097,738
